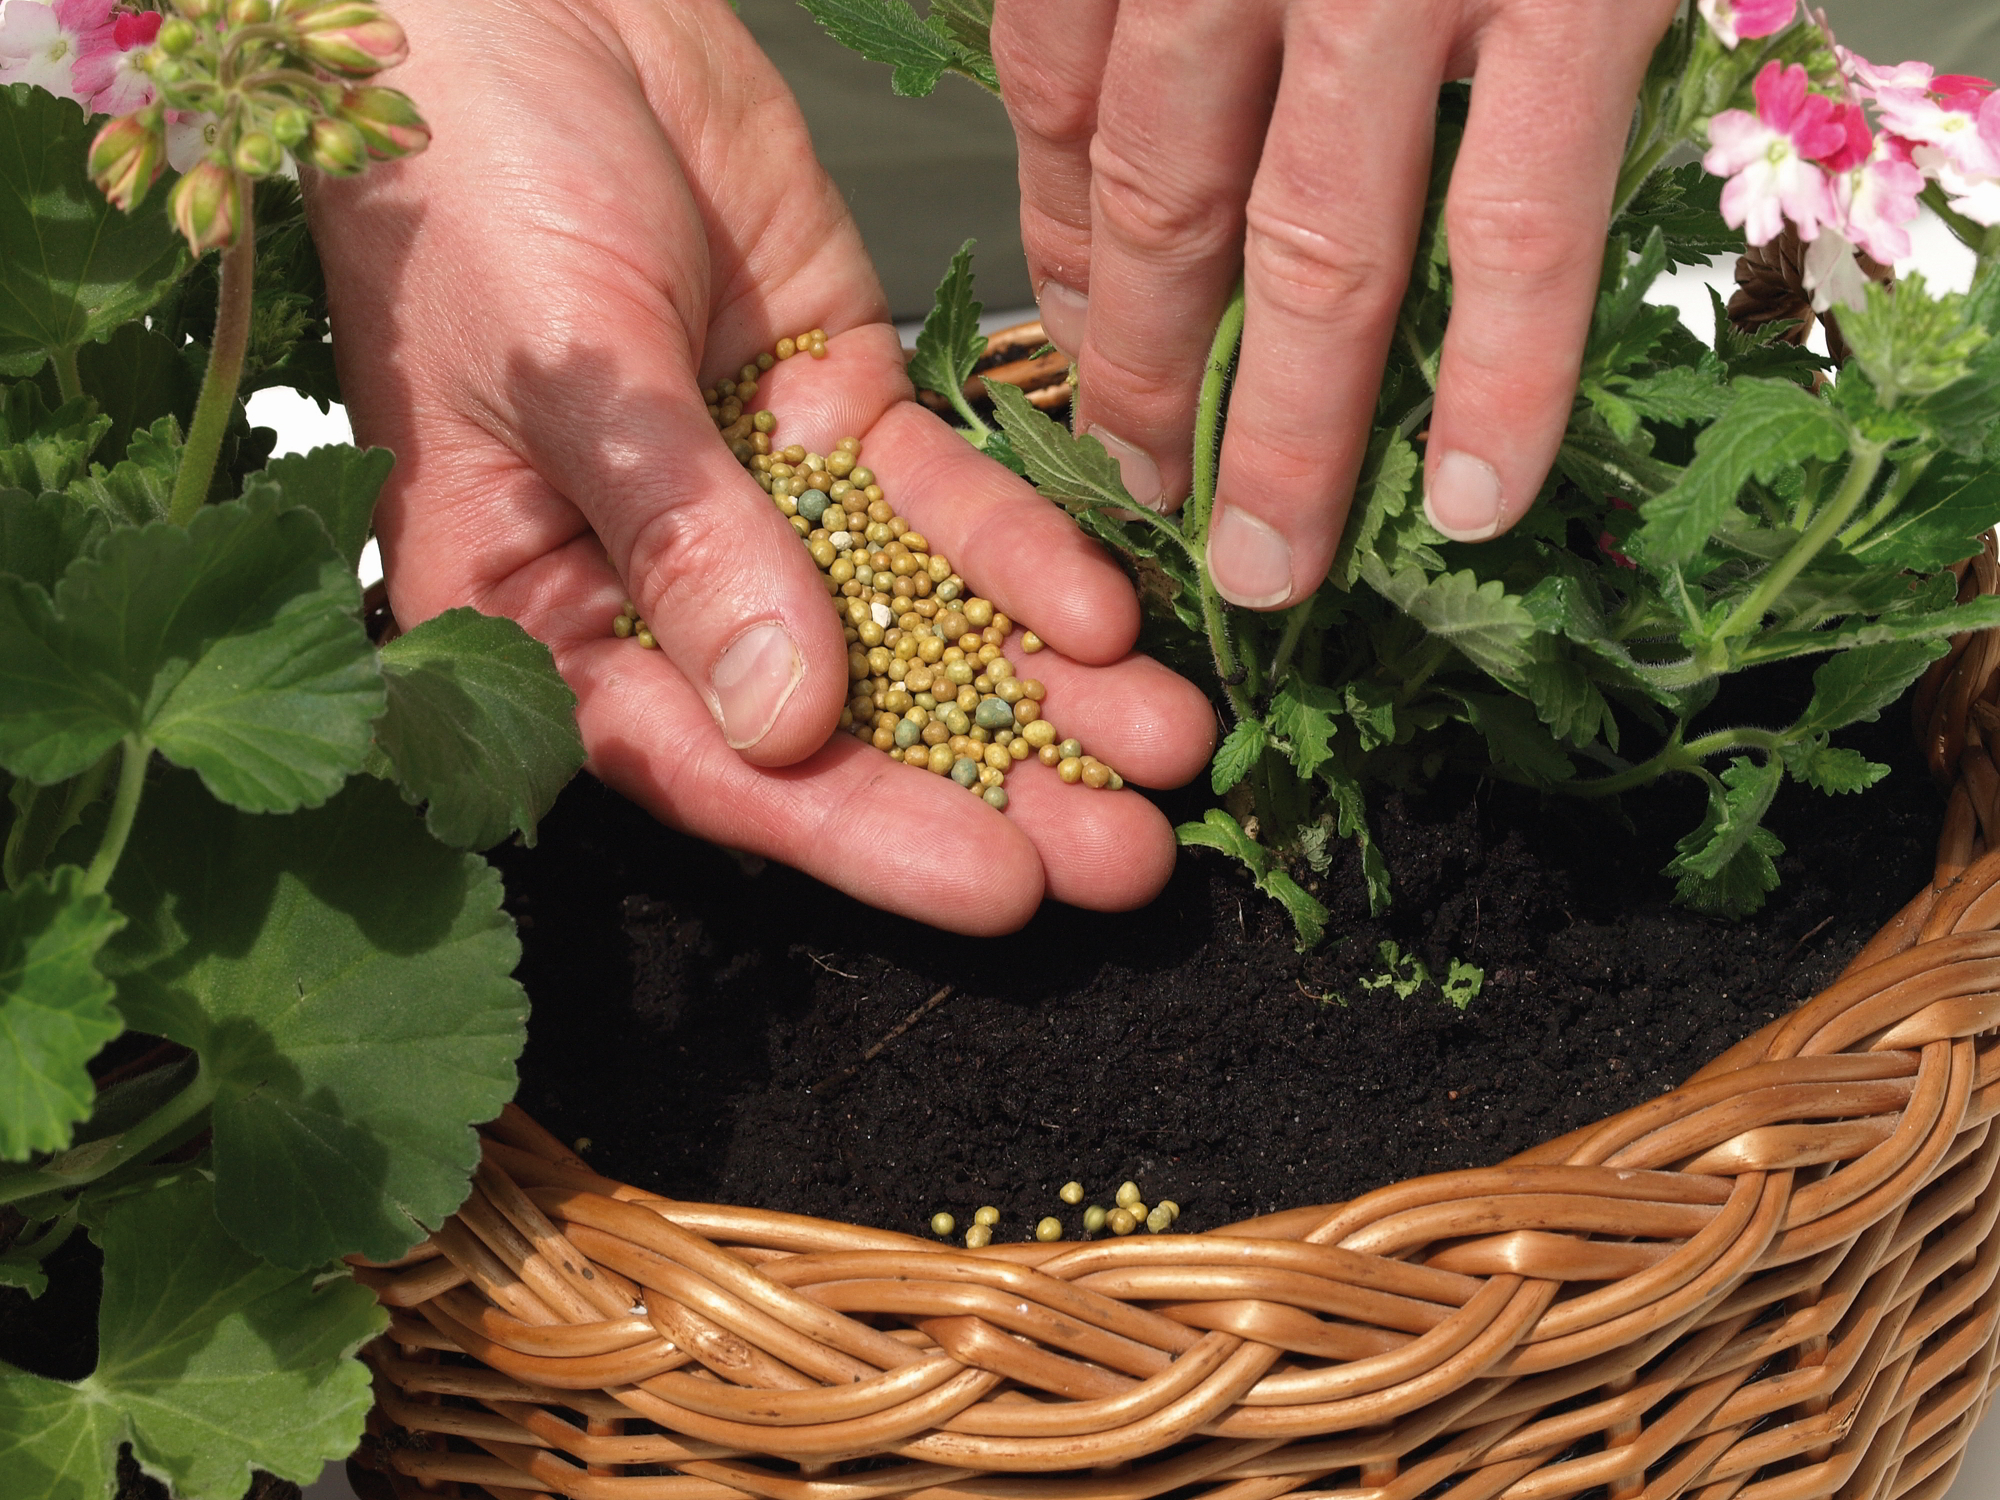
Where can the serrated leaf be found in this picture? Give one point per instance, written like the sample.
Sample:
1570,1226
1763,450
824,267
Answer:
72,268
969,23
1679,394
1067,468
210,1363
1831,770
1301,714
1567,701
1489,625
1771,424
55,1008
43,448
39,535
950,343
1725,866
889,31
1371,708
345,979
337,483
1236,755
1351,812
1308,916
140,487
1381,494
1940,521
1516,737
1908,342
1684,204
1982,613
1854,686
233,644
1218,830
480,726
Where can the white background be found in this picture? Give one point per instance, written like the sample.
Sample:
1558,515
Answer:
1945,264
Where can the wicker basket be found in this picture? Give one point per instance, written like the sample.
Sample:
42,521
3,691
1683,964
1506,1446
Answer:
1774,1283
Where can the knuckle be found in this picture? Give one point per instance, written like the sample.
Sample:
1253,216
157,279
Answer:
1158,216
1521,242
1043,103
1308,272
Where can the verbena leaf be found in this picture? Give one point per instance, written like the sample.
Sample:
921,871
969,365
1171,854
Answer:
1982,613
1771,424
233,644
337,483
950,343
480,726
1725,866
1308,916
210,1363
1381,494
1940,521
1071,469
1218,830
1516,737
1856,685
345,979
969,23
1237,753
889,31
1351,812
1485,622
72,268
1910,343
1685,204
1679,394
55,1008
1302,713
1830,770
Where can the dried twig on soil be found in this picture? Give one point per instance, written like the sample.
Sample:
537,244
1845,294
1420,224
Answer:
833,1080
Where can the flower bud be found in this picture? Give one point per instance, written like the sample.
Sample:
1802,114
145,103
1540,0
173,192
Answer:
258,155
176,36
126,158
388,121
351,37
337,148
205,205
249,12
199,10
291,125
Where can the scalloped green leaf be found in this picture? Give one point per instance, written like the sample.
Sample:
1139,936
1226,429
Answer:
55,1008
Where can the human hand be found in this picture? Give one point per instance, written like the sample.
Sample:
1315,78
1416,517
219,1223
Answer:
620,205
1167,145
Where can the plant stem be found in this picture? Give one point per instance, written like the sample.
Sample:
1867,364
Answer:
1296,619
124,807
981,432
225,367
1675,756
69,383
1208,414
98,1159
1861,472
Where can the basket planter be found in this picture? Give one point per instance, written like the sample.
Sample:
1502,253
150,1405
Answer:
1776,1282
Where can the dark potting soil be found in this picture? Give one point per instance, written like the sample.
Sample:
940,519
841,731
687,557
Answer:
702,1020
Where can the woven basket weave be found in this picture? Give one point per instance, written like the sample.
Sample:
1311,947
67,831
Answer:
1774,1283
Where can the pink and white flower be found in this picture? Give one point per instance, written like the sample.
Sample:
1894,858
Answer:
106,76
1953,131
1877,202
1733,20
1871,78
1772,158
40,43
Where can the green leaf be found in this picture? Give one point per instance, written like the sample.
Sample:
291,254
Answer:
1854,686
1308,916
1940,521
1489,625
1381,494
138,376
1625,327
72,268
345,979
1237,754
1371,708
1462,983
1679,394
1301,714
141,487
1066,468
1725,866
43,449
1829,770
1351,811
889,31
950,343
1218,830
234,645
1684,204
55,1008
39,535
479,725
1982,613
210,1363
1516,737
1910,343
969,23
337,483
1771,424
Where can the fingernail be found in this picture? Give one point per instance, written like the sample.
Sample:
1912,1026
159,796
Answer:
1462,498
1063,311
1135,467
1250,563
752,681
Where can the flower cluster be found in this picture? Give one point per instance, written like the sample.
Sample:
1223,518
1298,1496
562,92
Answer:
84,50
263,83
1811,155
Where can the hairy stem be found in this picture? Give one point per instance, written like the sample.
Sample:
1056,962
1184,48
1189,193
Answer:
1208,414
69,383
1296,620
1861,472
124,807
225,368
1676,756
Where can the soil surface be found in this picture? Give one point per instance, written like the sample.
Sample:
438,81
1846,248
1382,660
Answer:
701,1020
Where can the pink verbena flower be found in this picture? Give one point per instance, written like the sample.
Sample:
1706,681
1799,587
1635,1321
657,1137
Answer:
1772,158
107,77
40,44
1953,131
1870,78
1733,20
1876,201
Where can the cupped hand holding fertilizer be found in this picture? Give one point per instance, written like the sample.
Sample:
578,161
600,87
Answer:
619,210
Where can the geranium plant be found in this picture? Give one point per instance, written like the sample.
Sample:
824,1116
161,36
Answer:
1715,506
215,860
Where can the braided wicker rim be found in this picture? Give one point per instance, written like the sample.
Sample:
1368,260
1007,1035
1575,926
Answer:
1776,1282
